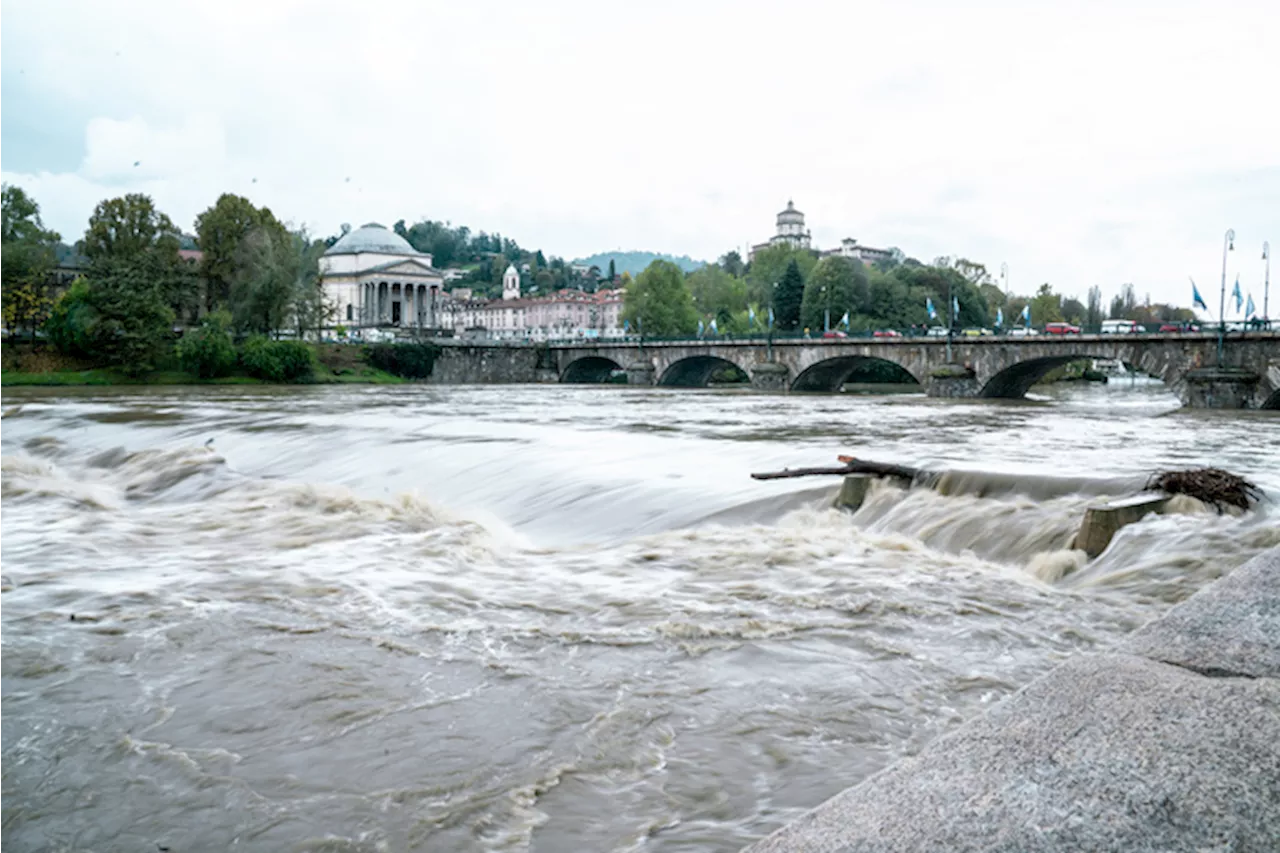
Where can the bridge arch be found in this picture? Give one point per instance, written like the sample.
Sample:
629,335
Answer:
695,371
590,369
831,374
1013,382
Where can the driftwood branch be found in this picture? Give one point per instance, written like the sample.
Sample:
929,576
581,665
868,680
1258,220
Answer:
851,465
1212,485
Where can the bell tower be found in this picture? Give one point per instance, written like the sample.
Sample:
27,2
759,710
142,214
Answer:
511,283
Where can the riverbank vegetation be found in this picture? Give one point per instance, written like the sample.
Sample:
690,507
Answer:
250,310
265,362
809,292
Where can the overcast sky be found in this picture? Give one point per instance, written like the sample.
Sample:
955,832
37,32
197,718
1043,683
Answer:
1080,143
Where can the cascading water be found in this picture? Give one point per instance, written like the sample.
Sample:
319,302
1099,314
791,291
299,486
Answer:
547,618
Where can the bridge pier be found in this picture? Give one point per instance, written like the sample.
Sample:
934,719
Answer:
952,381
1220,388
770,376
639,372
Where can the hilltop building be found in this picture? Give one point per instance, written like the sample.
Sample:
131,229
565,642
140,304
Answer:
850,248
374,277
791,231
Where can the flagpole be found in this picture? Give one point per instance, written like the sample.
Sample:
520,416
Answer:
1266,281
1227,246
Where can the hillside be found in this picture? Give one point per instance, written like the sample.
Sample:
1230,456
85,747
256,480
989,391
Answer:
635,262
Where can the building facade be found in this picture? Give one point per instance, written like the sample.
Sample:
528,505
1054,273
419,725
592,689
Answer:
373,277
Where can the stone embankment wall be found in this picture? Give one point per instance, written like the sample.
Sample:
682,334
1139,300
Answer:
1171,741
465,364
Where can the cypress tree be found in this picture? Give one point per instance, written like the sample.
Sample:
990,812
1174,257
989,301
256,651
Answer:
788,297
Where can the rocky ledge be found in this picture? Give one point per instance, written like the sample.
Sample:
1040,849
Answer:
1169,742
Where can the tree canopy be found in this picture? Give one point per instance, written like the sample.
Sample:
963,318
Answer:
658,303
27,257
788,297
221,232
836,286
127,227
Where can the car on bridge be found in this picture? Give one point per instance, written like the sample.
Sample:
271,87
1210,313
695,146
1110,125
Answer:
977,333
1061,329
1179,327
937,331
834,333
886,333
1022,332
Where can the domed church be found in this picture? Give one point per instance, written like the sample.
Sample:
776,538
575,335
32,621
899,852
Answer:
375,278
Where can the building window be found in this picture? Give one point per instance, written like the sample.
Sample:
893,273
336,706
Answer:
349,310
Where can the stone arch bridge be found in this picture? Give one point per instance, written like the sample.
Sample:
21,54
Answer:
1000,367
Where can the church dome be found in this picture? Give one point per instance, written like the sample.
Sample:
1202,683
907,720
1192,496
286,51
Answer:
790,214
372,237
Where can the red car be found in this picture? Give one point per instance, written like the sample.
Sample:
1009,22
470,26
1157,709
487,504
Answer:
1061,329
887,333
834,333
1179,327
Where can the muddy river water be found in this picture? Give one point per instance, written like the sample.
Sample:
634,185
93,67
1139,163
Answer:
546,618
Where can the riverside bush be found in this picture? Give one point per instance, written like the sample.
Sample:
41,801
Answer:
277,361
412,361
208,351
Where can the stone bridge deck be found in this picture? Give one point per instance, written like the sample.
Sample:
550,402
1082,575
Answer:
1248,377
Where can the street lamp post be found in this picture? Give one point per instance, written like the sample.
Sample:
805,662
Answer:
1266,282
1228,243
1004,275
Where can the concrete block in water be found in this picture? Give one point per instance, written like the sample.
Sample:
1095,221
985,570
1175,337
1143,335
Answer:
853,491
1118,751
1101,522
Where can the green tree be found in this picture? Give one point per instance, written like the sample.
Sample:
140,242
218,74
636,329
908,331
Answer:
1046,306
836,286
613,270
788,297
1074,311
1093,313
119,315
27,258
125,228
312,311
208,351
731,262
768,266
264,282
716,293
221,232
659,303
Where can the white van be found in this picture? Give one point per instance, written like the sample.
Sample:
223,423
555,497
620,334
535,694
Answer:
1120,327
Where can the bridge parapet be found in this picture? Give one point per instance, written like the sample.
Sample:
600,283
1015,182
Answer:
986,366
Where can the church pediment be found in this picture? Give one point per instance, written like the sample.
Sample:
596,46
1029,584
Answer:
404,267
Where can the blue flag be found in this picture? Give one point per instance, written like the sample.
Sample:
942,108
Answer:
1026,315
714,330
1235,294
701,328
955,308
770,316
626,325
933,312
1000,317
1249,309
751,315
844,321
1196,298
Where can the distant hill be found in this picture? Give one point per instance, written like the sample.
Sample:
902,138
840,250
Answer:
635,262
